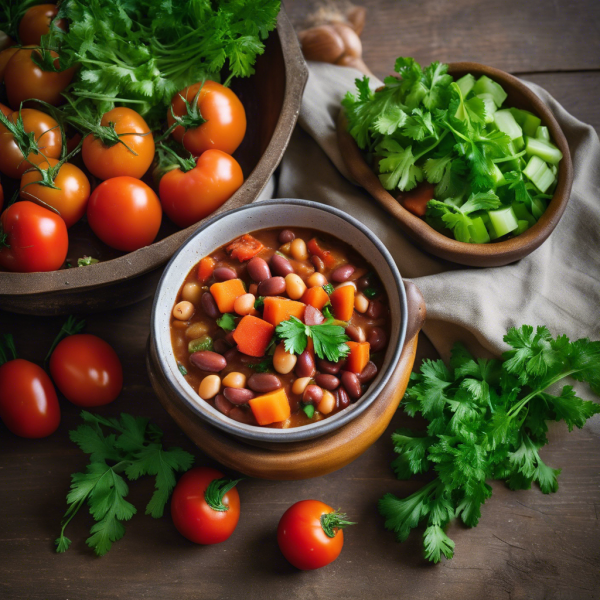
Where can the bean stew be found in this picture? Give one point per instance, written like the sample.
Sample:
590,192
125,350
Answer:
281,327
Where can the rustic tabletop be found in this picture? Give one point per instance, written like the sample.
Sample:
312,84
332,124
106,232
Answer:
527,545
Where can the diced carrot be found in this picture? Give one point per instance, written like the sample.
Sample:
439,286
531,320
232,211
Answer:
253,335
225,293
205,269
359,356
416,200
244,248
271,408
315,296
342,301
325,255
281,309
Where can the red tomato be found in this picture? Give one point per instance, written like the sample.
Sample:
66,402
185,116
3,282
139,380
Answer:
36,23
191,196
86,370
302,536
36,239
70,196
225,117
5,56
124,213
25,80
193,516
113,158
47,135
28,403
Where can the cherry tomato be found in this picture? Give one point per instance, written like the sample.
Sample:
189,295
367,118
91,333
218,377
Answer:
70,196
24,79
86,370
191,196
192,515
36,237
5,110
225,117
115,159
5,56
310,534
124,213
46,132
28,403
36,23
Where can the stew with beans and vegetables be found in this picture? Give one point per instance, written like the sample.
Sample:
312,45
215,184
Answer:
281,327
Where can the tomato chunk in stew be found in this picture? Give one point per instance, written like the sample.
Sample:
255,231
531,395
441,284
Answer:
281,327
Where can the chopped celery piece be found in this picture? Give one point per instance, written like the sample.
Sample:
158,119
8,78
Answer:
503,220
518,114
522,213
484,85
490,106
542,133
539,173
531,123
522,227
202,343
538,207
478,231
506,123
498,177
545,180
545,150
554,169
466,84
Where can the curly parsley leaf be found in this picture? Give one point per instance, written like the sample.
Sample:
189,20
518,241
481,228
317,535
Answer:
226,322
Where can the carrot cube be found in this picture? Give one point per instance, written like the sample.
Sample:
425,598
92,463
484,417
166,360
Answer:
244,248
359,356
253,336
342,301
225,293
271,408
205,269
315,296
281,309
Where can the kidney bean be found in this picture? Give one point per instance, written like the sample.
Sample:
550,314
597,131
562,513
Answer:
375,310
329,382
242,416
343,400
274,286
231,355
229,338
368,372
355,333
238,395
222,404
342,273
328,367
280,265
206,360
313,394
363,282
258,269
224,274
317,263
377,338
209,306
221,346
263,382
286,236
352,384
305,366
313,316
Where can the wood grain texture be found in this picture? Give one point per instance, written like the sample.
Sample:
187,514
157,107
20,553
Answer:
528,546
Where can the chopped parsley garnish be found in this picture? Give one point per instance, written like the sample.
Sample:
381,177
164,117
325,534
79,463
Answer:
309,410
264,366
370,292
259,302
328,288
226,322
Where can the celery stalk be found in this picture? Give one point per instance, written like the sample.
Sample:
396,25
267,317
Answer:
478,231
466,84
484,85
545,150
542,133
503,220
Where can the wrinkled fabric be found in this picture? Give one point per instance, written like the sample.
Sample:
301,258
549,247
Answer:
557,285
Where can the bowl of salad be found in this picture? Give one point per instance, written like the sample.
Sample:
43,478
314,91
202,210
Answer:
152,118
467,158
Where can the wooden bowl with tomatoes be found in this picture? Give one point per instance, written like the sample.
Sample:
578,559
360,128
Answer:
130,259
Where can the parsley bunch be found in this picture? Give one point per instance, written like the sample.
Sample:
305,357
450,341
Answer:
133,448
487,420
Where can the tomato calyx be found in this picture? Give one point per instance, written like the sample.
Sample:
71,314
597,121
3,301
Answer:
193,117
215,491
42,57
71,326
7,345
169,158
334,521
26,141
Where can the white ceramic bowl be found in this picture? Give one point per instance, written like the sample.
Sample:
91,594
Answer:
264,215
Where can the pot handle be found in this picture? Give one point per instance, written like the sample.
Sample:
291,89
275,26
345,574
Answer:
417,311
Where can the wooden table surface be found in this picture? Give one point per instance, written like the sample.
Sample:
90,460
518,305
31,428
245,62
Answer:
527,546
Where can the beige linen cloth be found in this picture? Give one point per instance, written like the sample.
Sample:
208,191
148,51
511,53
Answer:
558,285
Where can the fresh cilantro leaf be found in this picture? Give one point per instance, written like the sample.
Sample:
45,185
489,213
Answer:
412,449
571,409
391,120
397,168
436,543
226,322
328,288
264,366
259,302
419,126
436,80
294,333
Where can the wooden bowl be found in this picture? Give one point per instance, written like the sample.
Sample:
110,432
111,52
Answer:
304,459
272,99
494,254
